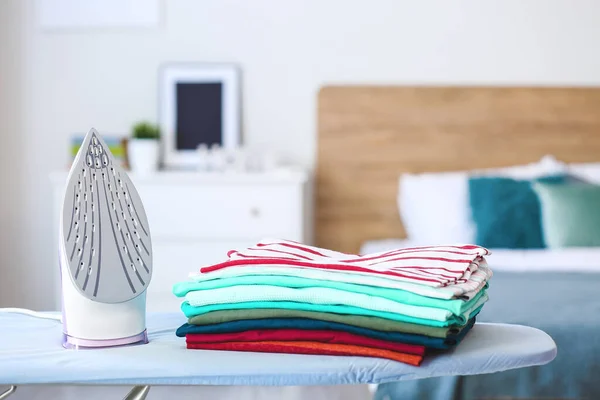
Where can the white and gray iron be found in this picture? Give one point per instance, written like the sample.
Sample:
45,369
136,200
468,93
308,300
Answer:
105,252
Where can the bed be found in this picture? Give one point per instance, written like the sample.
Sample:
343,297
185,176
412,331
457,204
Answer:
571,317
386,154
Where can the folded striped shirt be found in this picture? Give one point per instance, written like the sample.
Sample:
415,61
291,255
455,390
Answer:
435,266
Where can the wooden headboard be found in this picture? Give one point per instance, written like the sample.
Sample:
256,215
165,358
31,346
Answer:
368,136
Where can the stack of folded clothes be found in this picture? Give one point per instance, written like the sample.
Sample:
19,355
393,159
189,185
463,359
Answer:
285,297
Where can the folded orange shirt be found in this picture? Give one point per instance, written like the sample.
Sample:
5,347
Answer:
291,335
310,348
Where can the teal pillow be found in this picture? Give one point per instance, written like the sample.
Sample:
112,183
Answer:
570,214
506,212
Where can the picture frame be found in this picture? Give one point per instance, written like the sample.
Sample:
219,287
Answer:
198,104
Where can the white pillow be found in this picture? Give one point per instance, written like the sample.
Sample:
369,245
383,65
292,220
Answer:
434,207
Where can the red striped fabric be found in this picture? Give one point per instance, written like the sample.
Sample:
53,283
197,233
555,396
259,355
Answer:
427,265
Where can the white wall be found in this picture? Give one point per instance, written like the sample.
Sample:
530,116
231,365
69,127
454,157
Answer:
13,214
286,49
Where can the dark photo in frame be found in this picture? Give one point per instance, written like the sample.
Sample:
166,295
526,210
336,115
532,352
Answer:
199,104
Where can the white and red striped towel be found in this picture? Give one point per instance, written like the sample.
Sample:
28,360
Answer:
434,266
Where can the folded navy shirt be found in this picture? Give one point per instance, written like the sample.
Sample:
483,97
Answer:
312,324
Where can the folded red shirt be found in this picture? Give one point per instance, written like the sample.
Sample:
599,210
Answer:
290,335
300,347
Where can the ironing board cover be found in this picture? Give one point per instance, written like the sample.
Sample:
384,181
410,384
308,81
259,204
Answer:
31,353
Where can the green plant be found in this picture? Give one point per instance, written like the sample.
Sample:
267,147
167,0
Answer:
145,130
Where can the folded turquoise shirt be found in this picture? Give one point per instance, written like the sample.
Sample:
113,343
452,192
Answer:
313,295
462,319
456,307
311,324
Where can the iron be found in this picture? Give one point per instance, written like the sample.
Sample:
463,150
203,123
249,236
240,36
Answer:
105,252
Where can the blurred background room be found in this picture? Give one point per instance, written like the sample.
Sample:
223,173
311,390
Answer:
359,126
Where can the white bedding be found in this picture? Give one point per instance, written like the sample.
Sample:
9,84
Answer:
575,259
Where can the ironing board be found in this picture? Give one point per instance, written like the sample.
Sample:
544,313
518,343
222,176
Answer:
31,353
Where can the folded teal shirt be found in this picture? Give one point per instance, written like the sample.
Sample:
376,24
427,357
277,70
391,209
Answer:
461,320
311,324
456,307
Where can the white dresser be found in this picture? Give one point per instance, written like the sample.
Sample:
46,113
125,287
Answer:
195,218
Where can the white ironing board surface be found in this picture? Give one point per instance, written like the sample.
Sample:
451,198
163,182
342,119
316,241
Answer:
31,353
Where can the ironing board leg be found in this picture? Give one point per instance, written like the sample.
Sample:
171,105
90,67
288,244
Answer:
137,393
8,392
